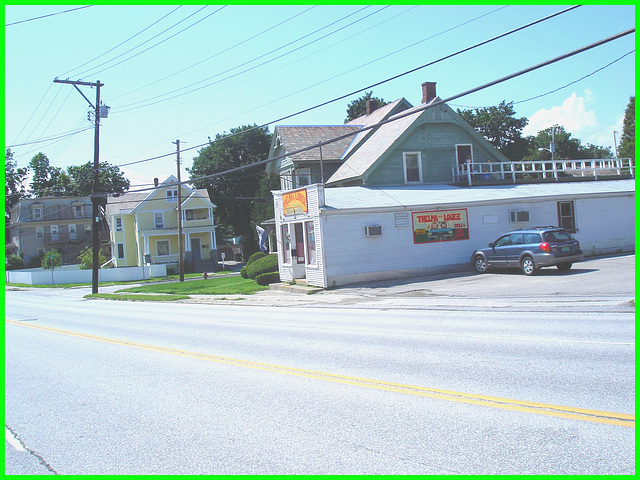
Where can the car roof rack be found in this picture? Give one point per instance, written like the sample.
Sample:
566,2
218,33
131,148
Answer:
548,227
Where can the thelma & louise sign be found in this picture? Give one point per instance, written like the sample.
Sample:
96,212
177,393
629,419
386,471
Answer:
295,202
440,226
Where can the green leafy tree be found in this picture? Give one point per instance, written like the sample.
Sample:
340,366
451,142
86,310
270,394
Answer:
358,107
86,258
51,260
566,147
45,176
80,180
627,148
500,126
14,185
233,193
14,262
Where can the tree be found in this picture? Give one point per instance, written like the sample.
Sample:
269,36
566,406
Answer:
627,148
45,176
86,258
80,180
358,107
500,127
565,146
51,260
232,193
14,185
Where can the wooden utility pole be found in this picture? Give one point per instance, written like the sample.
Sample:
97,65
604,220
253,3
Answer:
180,239
95,197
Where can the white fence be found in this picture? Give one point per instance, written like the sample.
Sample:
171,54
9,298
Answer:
477,173
72,274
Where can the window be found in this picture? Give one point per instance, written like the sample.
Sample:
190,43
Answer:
286,244
118,224
372,230
311,244
36,213
162,246
72,232
39,232
54,232
188,215
120,247
159,220
566,216
78,211
172,196
464,153
303,177
519,216
412,164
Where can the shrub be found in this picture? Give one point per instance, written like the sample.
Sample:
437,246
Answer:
86,258
255,256
35,262
243,272
14,262
267,264
267,278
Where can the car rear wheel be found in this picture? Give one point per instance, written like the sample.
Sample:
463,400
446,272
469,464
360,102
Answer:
480,264
528,266
564,266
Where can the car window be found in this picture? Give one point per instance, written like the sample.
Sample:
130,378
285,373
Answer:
517,239
502,241
532,238
557,236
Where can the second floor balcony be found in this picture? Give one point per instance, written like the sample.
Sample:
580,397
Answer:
472,173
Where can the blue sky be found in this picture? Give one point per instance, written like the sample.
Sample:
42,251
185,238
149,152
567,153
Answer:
191,72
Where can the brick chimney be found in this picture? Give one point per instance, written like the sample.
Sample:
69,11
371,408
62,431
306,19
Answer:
372,106
428,91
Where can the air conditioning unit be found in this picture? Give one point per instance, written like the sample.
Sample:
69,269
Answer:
519,216
372,230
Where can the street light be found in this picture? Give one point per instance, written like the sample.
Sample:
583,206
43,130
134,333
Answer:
553,154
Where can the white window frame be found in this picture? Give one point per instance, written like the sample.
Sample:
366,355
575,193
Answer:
172,196
158,242
303,174
418,156
55,231
36,213
39,232
155,220
458,152
120,249
73,232
119,224
78,211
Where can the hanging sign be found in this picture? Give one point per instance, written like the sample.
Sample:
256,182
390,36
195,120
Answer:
440,226
295,202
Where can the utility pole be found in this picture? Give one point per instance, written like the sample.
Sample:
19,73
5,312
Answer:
95,214
180,239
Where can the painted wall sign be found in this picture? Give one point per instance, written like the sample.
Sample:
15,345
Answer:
295,202
440,226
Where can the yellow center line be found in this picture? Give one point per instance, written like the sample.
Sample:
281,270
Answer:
597,416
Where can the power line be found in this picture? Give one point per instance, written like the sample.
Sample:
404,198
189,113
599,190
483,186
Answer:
415,110
45,16
122,43
395,77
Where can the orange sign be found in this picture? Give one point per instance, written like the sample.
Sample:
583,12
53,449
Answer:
295,202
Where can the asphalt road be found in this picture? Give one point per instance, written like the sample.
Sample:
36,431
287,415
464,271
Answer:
99,387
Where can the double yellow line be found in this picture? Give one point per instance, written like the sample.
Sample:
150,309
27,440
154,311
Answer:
596,416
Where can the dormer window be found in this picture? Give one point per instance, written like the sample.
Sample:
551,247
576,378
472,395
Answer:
412,163
172,196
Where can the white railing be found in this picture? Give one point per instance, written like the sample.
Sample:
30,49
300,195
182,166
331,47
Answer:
471,173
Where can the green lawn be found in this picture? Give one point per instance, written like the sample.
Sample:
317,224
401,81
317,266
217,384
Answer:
227,285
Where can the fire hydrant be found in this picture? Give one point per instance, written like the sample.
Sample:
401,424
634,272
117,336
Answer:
205,275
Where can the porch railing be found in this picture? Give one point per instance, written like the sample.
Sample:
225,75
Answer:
471,173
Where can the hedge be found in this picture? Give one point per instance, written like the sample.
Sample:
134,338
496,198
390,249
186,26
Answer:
267,278
266,264
254,257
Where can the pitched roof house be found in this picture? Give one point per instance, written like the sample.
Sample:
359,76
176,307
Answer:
144,227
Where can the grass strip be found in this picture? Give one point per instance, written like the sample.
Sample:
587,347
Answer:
227,285
138,298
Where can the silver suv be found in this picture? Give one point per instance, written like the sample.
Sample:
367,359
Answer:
530,249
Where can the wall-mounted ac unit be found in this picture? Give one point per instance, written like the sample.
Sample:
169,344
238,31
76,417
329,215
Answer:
519,216
372,230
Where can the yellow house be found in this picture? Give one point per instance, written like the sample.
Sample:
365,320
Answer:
144,228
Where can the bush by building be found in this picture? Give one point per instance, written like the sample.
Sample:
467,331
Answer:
266,264
267,278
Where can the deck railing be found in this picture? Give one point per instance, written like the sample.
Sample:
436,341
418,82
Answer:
471,173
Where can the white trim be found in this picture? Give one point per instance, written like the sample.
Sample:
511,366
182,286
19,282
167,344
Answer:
404,167
470,145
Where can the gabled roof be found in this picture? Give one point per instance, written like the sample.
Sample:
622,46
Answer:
385,137
293,138
129,202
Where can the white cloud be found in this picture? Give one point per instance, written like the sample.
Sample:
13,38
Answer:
576,119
